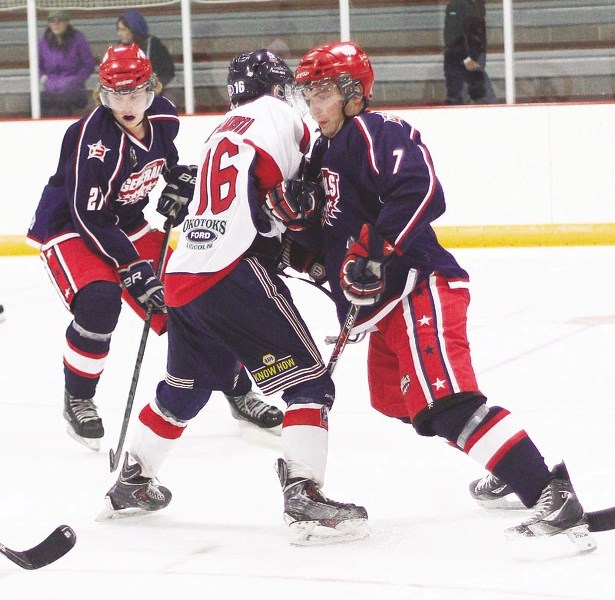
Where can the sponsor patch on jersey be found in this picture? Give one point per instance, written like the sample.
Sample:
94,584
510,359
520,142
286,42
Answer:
140,184
273,368
200,234
98,151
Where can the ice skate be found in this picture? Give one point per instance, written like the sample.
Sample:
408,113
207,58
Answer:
313,518
84,424
249,408
133,495
558,511
490,492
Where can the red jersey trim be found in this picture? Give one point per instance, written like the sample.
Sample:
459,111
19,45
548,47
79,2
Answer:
181,288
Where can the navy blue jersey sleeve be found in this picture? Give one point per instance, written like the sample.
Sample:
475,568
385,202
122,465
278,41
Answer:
401,170
93,178
103,181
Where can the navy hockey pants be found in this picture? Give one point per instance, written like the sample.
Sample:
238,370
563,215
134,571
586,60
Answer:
248,317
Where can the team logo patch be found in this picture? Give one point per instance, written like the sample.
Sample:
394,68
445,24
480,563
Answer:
405,384
97,150
140,184
324,417
331,183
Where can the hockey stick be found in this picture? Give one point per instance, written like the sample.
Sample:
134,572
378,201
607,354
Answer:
342,339
114,456
601,520
55,546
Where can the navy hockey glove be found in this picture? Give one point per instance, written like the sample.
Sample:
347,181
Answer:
362,272
296,203
299,258
177,194
141,283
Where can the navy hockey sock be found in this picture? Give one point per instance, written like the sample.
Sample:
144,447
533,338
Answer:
96,310
514,460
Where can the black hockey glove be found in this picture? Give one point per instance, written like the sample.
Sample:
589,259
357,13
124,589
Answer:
296,203
177,194
141,283
362,272
299,258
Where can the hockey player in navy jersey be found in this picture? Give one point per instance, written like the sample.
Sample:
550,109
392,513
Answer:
227,302
95,242
382,254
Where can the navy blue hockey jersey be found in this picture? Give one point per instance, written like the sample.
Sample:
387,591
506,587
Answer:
102,182
376,170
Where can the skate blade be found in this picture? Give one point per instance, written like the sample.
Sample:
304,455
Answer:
574,541
506,503
108,513
312,533
91,443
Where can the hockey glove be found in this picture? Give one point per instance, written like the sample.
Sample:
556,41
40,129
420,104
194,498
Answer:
362,272
299,258
141,283
296,203
177,194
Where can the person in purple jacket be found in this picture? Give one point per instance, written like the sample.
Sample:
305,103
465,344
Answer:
382,254
65,63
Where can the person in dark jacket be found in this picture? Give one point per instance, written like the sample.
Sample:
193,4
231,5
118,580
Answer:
65,63
465,41
132,28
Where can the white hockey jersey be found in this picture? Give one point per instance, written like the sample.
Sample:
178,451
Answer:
257,146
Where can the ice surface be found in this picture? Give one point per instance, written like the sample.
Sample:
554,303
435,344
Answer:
541,325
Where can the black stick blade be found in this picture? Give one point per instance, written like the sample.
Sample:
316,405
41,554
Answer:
601,520
55,546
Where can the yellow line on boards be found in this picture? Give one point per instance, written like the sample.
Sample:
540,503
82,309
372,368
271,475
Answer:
466,236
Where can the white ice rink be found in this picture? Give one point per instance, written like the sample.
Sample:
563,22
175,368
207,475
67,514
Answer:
541,325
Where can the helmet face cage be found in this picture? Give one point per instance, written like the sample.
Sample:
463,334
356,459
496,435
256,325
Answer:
259,73
341,63
125,70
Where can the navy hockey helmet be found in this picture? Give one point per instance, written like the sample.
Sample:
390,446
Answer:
258,73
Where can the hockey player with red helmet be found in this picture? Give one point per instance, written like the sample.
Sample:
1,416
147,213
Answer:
89,225
381,253
227,301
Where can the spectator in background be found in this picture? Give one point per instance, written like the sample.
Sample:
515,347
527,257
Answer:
65,63
465,52
132,28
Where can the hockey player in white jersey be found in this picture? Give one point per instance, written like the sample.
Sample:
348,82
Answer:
228,306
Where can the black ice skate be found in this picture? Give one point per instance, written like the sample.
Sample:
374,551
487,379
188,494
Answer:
558,511
132,494
84,424
251,409
313,518
490,492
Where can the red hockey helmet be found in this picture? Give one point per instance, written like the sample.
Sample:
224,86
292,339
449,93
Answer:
125,70
342,63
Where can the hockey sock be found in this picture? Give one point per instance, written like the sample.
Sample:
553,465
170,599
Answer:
96,309
491,436
153,438
305,438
